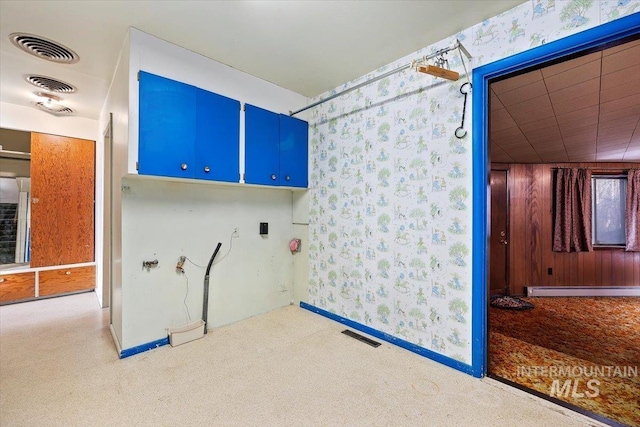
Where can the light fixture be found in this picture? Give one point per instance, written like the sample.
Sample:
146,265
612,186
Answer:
51,103
47,98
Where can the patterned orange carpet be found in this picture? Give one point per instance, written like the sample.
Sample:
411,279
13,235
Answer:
584,351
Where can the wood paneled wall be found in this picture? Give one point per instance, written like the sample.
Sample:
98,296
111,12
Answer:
531,236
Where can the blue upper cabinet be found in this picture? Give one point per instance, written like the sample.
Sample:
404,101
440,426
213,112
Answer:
294,151
261,146
187,132
167,127
276,149
217,137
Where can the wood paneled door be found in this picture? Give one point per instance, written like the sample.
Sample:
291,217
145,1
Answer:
62,200
498,261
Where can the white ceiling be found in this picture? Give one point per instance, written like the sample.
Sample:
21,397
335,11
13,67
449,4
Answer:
305,46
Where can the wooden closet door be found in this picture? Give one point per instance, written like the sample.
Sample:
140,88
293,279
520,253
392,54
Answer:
62,200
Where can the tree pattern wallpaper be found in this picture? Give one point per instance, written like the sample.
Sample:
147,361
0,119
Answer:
390,184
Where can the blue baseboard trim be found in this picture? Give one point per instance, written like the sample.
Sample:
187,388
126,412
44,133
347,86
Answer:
452,363
144,347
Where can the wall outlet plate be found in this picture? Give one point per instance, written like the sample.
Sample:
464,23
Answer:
236,232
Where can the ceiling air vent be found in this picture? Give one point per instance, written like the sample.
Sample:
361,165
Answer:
52,85
44,48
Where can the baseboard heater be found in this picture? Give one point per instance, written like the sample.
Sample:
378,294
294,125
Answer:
583,291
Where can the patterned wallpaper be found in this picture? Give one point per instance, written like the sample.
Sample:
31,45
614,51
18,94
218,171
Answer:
390,199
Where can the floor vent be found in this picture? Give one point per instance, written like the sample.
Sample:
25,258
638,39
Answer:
361,338
44,48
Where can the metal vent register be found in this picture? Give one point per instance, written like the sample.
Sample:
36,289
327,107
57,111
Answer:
52,85
44,48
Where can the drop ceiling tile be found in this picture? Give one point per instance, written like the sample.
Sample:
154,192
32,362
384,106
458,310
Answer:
515,142
554,157
622,77
523,93
494,103
580,140
587,100
618,104
552,145
562,67
497,154
579,117
623,123
500,120
621,91
569,126
621,60
616,132
632,155
618,114
575,91
512,132
578,128
516,82
573,76
621,47
611,156
522,118
582,159
537,103
608,143
543,134
544,123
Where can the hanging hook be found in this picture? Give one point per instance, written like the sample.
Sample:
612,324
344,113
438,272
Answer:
464,89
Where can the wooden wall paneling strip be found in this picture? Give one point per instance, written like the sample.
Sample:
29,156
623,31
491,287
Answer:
65,280
573,269
606,269
598,268
546,211
536,223
589,269
518,232
14,287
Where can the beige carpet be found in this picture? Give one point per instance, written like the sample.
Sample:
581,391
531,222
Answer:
289,367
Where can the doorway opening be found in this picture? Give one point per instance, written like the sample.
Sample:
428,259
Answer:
529,175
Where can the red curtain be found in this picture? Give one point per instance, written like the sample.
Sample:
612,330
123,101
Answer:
572,226
633,210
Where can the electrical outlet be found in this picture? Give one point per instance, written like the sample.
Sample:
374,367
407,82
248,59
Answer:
236,232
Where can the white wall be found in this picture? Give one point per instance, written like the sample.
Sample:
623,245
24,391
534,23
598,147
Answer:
164,220
117,102
29,119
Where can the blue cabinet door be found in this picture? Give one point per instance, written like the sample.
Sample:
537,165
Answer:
262,137
294,151
167,127
217,147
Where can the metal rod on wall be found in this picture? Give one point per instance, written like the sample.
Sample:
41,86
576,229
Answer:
457,45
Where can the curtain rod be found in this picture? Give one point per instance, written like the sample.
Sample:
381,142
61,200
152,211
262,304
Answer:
457,45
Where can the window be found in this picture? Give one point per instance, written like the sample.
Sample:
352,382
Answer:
609,199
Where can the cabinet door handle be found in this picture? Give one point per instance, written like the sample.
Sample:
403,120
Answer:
287,178
207,169
273,177
183,166
67,273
